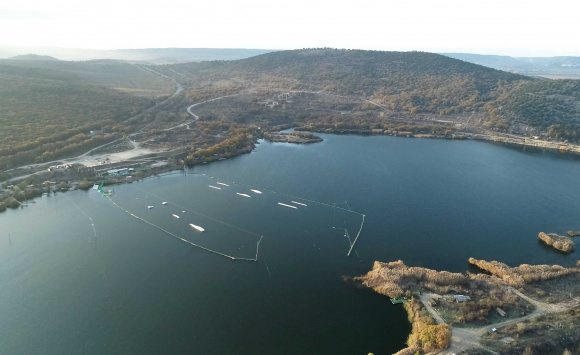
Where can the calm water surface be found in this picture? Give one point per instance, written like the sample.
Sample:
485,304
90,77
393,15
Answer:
133,289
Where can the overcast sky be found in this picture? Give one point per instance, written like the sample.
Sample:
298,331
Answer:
509,27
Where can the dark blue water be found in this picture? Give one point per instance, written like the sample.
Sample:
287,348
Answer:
134,289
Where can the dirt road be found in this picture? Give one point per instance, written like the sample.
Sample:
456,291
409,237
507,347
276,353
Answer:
467,338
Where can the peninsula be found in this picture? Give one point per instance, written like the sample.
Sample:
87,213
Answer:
506,312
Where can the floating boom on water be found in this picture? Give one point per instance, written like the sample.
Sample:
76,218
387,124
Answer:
196,227
289,206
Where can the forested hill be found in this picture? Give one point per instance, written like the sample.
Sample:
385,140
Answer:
409,81
405,82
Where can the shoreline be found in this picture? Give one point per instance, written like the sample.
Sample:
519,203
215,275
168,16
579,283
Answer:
174,157
516,141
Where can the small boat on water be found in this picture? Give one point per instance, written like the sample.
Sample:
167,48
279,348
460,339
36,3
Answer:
299,203
215,187
176,216
221,183
256,191
196,227
164,203
149,207
244,195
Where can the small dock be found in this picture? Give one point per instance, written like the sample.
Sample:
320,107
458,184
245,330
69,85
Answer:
398,300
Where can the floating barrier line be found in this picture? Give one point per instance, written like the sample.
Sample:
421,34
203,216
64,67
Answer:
83,212
285,205
183,240
264,255
282,194
304,199
258,247
201,214
355,239
348,236
346,203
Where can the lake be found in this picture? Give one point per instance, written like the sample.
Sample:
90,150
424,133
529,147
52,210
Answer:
129,287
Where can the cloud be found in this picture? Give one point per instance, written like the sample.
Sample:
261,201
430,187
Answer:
12,14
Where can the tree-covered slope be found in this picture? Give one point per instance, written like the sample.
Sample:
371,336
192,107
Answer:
549,105
405,81
47,114
129,78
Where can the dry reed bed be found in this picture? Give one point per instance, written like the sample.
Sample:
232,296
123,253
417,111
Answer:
559,242
395,278
523,274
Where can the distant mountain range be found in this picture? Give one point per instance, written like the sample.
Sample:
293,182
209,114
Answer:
33,57
149,55
115,74
550,67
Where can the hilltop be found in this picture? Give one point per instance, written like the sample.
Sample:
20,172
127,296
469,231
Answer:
33,57
408,85
403,81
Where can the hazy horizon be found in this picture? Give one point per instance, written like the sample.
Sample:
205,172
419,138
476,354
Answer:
35,49
518,29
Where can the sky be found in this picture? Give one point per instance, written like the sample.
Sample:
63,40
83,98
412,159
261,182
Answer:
506,27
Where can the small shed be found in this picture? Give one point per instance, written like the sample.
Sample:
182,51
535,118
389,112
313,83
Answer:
462,298
500,311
